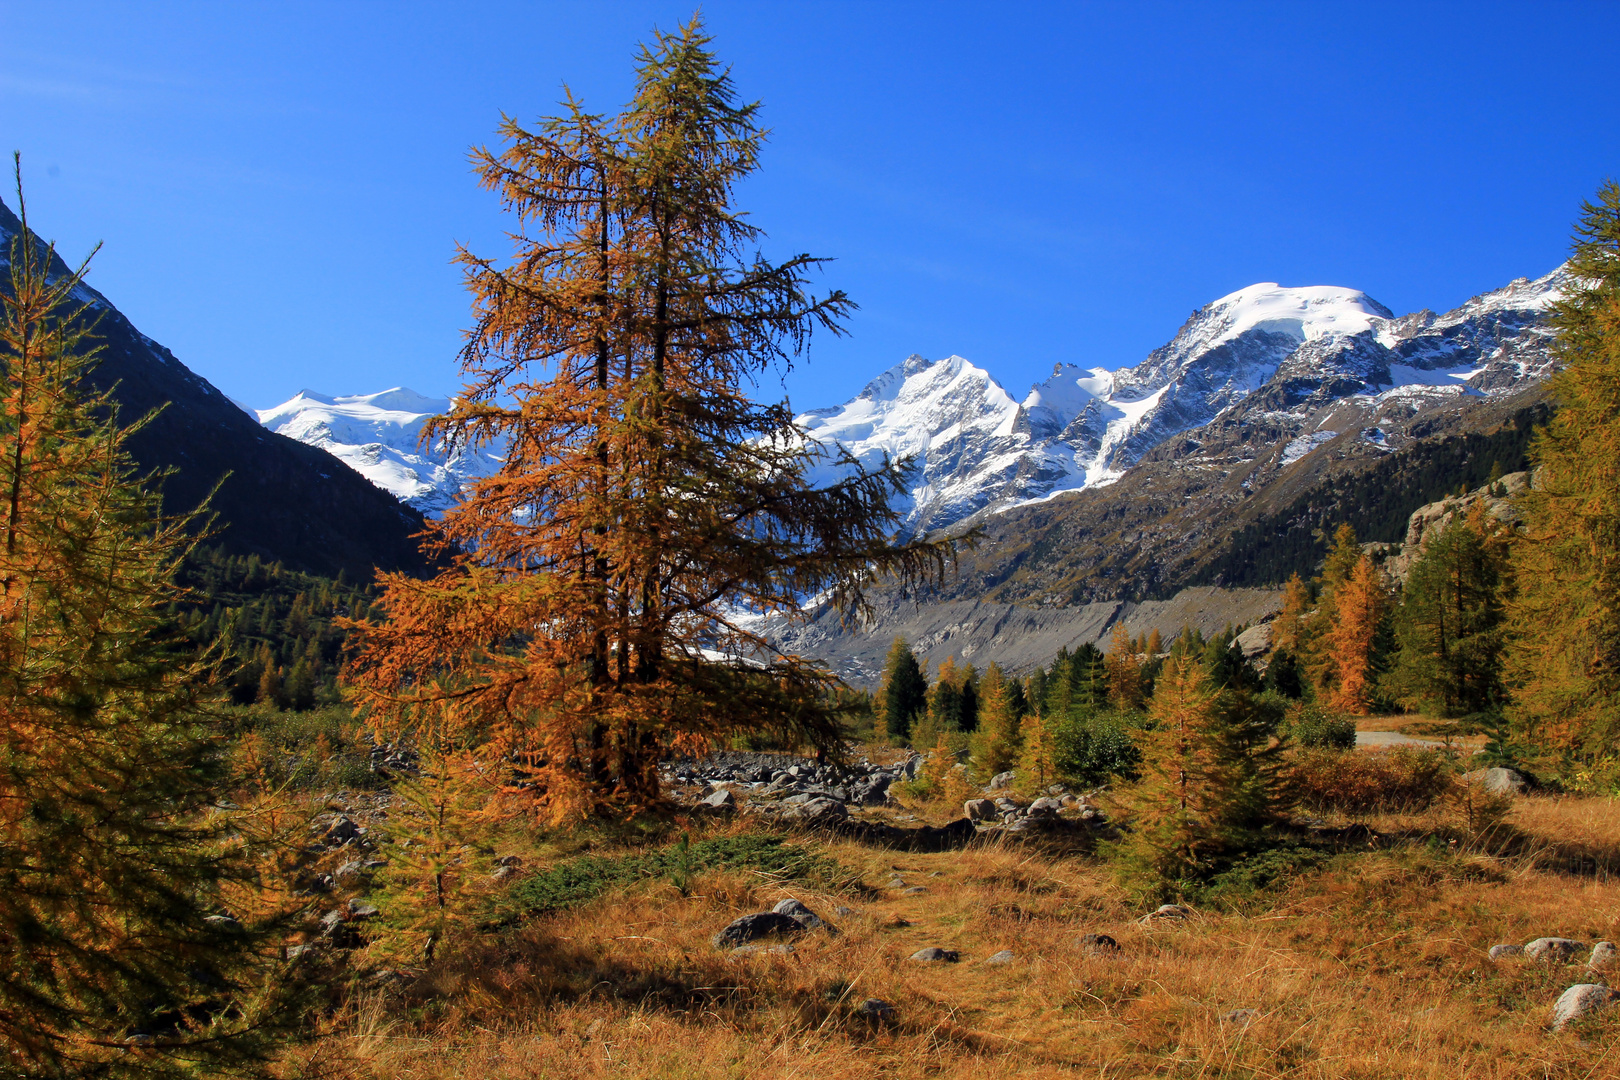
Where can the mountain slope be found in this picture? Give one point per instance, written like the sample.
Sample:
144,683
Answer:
280,499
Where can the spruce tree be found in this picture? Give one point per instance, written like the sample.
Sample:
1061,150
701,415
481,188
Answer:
604,607
1564,625
130,926
1448,625
905,691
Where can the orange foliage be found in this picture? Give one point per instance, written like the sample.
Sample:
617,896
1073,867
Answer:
600,610
1358,604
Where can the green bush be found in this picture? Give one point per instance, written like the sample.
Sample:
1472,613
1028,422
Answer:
1094,747
1317,729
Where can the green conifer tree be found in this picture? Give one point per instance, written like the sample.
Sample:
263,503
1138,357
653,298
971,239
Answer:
905,691
1448,626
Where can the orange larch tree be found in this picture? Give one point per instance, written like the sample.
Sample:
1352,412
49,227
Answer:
607,588
1358,605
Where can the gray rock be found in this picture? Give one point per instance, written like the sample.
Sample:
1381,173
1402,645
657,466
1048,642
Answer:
1496,781
876,1009
933,955
799,914
1003,780
1506,952
1007,806
225,923
504,873
915,890
751,928
818,809
1167,912
332,923
1554,949
341,832
359,909
1005,956
1099,945
1579,1000
979,810
1047,807
722,799
509,860
350,873
1603,956
306,949
895,882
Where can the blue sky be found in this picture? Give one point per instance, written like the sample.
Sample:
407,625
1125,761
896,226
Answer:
279,186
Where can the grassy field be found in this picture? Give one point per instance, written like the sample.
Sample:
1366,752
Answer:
1371,963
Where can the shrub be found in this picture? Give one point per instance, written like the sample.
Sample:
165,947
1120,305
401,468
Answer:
1401,778
1093,748
1319,729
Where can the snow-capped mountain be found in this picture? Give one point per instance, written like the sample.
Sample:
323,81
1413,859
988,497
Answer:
1265,370
379,436
1273,354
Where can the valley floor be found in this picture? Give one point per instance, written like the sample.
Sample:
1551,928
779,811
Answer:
1371,965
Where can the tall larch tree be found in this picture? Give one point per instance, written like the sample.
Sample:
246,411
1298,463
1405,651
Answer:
600,611
131,933
1358,606
995,743
1564,626
1124,669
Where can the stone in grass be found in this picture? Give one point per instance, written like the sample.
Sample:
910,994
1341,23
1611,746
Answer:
1603,956
720,800
1579,1000
799,914
933,955
1554,949
751,928
1003,780
1005,956
979,810
876,1010
1240,1017
1167,913
915,890
1506,952
896,882
1099,945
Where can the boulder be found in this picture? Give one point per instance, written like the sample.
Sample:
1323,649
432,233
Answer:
1005,956
1496,781
817,808
933,955
1047,807
1506,952
720,799
1254,641
1579,1000
799,914
360,909
979,810
1603,956
1004,780
876,1009
1554,949
1099,945
750,928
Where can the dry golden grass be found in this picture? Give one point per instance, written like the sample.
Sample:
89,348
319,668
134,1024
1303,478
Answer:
1372,967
